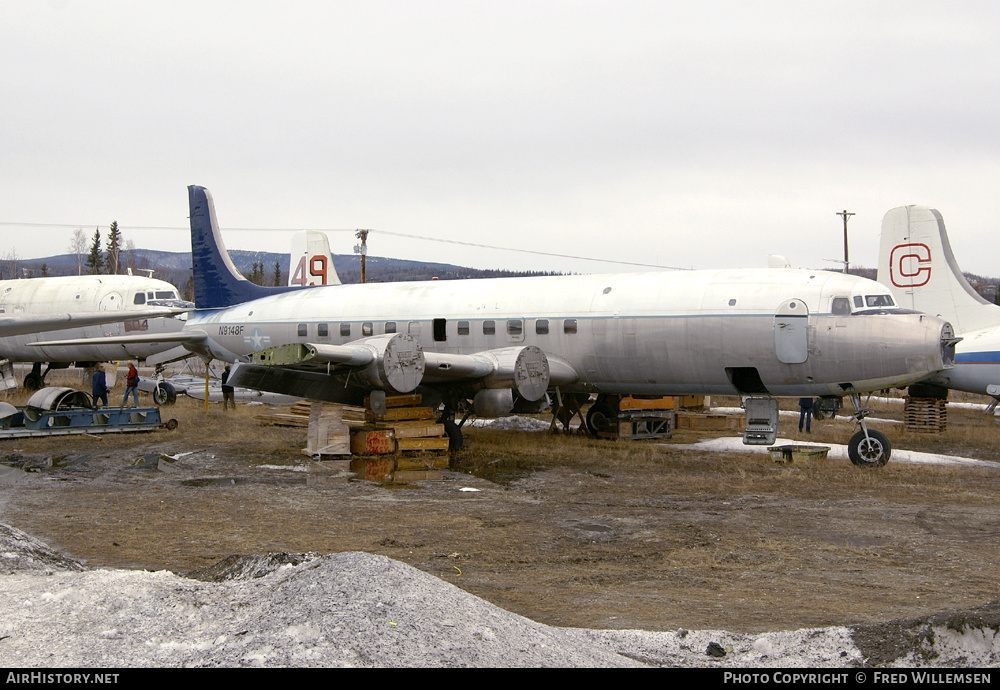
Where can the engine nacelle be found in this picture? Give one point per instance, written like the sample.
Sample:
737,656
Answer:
397,365
523,369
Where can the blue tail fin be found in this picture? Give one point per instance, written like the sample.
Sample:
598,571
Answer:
217,283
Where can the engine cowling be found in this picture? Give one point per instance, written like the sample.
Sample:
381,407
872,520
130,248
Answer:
397,364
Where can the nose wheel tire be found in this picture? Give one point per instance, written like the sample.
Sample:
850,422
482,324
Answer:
871,451
164,394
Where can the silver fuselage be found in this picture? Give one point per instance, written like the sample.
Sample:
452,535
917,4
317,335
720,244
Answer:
699,332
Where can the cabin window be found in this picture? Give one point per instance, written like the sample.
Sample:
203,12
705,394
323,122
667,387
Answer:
489,327
463,328
367,328
859,302
140,298
569,326
413,328
390,326
303,330
841,306
440,330
542,326
345,329
323,330
515,327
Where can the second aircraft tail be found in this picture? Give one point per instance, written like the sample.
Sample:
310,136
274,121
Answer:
916,262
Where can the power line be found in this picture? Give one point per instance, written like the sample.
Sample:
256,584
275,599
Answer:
377,232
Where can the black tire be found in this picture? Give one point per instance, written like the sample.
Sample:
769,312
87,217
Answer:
164,394
873,451
32,382
600,419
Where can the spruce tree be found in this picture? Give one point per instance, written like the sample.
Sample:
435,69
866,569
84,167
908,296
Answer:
94,259
114,249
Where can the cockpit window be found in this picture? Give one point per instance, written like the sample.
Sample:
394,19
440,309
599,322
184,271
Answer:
841,306
859,302
166,294
879,301
140,298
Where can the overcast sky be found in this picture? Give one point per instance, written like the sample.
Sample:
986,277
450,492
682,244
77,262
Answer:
695,135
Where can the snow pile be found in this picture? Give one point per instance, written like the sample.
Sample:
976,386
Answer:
358,609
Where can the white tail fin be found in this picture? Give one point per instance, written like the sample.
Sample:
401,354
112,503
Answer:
917,264
312,262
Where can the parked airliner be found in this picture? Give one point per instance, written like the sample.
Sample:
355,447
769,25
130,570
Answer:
503,343
89,308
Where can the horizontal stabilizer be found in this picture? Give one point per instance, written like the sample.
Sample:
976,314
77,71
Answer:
186,337
24,325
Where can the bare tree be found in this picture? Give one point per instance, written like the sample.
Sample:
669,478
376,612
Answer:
78,248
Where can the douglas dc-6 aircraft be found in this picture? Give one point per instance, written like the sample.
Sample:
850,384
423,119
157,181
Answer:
916,262
504,343
37,310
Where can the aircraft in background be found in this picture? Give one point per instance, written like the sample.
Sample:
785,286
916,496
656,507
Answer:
501,344
35,312
917,264
311,262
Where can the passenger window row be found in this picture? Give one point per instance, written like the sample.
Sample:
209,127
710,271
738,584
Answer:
514,328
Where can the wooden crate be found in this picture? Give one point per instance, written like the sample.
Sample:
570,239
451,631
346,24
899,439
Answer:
372,441
427,444
399,414
327,435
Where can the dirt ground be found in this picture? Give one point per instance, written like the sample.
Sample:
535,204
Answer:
565,530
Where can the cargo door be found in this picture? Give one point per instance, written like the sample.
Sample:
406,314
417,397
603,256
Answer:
791,340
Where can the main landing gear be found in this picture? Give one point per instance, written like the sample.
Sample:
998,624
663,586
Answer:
867,448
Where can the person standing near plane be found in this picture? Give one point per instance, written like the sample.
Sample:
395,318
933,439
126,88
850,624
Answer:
805,413
99,386
131,384
228,396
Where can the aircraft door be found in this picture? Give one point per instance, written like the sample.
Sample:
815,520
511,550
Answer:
111,302
791,341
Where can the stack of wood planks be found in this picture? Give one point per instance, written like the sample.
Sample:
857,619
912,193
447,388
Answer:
403,443
925,415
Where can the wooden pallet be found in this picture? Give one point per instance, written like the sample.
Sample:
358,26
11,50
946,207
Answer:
925,415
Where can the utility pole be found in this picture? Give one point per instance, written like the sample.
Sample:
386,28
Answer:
362,249
845,215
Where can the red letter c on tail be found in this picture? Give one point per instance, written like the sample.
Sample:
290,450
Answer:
910,265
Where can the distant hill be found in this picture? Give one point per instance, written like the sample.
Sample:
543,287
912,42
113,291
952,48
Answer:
175,267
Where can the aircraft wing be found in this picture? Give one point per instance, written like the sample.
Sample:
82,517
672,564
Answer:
27,324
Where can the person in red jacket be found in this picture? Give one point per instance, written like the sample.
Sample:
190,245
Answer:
131,384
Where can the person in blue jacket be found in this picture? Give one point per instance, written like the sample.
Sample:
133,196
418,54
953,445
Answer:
99,386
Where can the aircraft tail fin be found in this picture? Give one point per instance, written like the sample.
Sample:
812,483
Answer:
217,283
916,262
311,262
